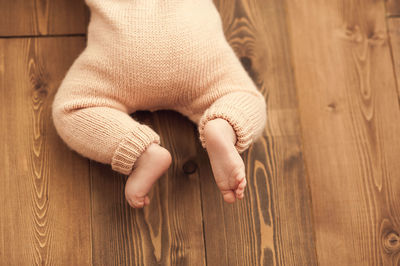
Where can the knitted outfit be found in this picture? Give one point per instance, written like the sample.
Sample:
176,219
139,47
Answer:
152,55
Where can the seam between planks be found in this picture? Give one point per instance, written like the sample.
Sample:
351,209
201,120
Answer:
91,212
43,36
392,15
389,40
201,202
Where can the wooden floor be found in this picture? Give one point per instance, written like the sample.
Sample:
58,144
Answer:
324,181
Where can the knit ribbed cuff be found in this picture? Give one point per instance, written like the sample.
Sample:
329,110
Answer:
247,117
131,147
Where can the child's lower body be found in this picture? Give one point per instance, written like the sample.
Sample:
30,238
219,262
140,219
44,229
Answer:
165,65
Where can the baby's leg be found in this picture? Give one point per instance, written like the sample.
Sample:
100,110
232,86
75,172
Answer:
227,128
230,117
226,163
102,130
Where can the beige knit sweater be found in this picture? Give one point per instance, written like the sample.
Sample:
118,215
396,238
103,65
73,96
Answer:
152,55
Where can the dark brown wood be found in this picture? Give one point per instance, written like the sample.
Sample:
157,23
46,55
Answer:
59,208
394,34
351,126
43,17
392,7
272,225
167,232
44,186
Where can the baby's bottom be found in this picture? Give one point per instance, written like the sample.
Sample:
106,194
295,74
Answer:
102,130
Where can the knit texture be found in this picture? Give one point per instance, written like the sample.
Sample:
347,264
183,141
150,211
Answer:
152,55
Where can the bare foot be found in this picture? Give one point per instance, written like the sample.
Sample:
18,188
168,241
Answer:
150,166
226,163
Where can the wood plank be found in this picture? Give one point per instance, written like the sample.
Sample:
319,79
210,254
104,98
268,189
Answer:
272,225
44,187
394,34
45,17
392,7
351,125
167,232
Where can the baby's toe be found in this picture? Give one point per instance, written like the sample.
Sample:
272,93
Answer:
239,196
240,176
229,196
146,201
240,189
242,183
136,202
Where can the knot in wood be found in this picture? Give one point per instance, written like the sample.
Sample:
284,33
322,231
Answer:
189,167
353,33
39,89
391,242
332,107
40,94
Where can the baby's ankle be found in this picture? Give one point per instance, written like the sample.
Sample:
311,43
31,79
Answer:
155,150
219,128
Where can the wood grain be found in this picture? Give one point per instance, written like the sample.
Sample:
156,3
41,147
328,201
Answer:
392,8
351,125
167,232
43,17
272,225
59,208
394,34
44,186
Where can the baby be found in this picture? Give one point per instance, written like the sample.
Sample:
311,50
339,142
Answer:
152,55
